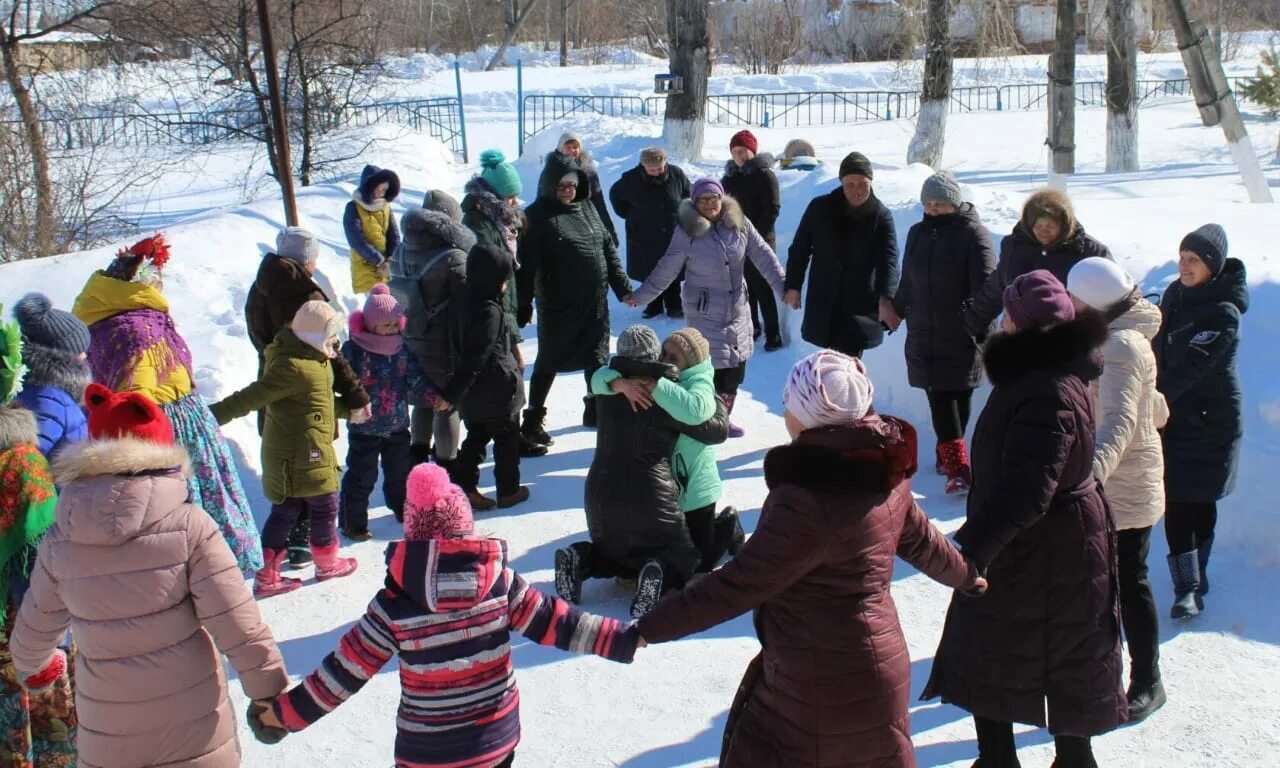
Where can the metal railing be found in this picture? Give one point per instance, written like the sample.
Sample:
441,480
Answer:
537,111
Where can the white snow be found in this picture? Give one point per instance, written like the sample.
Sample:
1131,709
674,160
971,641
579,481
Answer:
1222,671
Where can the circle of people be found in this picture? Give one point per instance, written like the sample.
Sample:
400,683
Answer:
140,537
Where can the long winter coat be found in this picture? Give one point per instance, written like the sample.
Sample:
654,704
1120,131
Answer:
713,257
648,205
755,186
51,390
486,381
430,281
370,227
946,261
830,687
154,598
1196,356
851,259
553,170
568,262
1129,461
1048,630
495,223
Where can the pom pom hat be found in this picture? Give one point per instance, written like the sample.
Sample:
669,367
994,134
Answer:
381,307
434,507
45,326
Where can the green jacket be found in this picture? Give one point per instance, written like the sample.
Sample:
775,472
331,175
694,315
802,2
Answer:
488,232
296,390
693,401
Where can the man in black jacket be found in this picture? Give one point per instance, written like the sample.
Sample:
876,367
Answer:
647,197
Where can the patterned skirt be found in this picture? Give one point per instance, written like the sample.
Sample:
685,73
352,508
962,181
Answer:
36,730
215,483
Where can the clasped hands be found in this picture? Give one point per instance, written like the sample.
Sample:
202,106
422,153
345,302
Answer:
639,392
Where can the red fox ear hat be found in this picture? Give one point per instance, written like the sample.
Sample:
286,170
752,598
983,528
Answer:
124,415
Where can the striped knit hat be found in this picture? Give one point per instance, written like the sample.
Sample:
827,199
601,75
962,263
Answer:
435,508
828,389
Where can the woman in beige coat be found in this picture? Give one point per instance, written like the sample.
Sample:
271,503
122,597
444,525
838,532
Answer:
1128,459
153,596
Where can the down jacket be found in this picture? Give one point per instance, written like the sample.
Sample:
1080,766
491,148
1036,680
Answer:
648,205
713,256
51,390
831,685
1128,459
553,170
154,598
755,186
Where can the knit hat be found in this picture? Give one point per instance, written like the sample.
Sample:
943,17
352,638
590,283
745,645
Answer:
381,307
1099,282
942,187
297,244
125,414
653,156
567,137
1038,299
692,345
570,178
706,186
45,326
499,174
435,508
443,202
744,139
141,262
315,324
639,342
11,367
856,164
828,389
1210,244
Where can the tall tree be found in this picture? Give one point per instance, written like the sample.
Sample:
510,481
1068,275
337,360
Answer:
931,124
1062,94
1122,81
513,16
690,56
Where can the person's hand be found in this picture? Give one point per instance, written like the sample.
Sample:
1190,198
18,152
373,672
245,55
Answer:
264,724
978,589
442,405
524,315
641,642
361,415
791,298
519,359
888,314
630,300
636,392
384,270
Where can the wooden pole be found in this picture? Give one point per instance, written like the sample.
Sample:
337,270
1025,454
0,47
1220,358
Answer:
279,122
1062,96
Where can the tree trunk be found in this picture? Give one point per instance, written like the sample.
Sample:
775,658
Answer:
931,125
33,135
690,54
1122,77
1062,94
514,20
564,33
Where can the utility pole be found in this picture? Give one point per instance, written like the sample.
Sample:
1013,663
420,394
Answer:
1214,99
279,122
1062,97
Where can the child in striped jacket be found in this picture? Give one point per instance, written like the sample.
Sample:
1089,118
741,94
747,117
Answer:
449,604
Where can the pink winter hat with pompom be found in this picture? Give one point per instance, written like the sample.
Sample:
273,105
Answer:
381,307
434,507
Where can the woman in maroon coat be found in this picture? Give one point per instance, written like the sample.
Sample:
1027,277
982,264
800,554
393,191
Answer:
831,683
1048,630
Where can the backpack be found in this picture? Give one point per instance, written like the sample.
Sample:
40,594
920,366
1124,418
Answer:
403,286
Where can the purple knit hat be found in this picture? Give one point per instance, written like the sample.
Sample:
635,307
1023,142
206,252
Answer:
1038,299
705,187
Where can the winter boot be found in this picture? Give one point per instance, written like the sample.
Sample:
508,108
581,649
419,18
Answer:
1202,555
530,449
589,412
648,589
420,453
329,565
734,429
996,748
1184,568
1145,698
571,571
728,529
534,427
480,502
517,496
268,581
955,463
773,343
938,468
1073,752
355,535
299,544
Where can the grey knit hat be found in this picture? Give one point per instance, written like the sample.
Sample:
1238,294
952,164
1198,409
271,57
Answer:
297,244
436,200
942,187
639,342
45,326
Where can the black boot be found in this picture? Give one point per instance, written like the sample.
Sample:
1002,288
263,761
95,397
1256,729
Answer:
1145,698
589,412
535,426
1202,555
530,449
995,744
1073,752
571,571
420,454
648,589
1184,568
729,531
300,543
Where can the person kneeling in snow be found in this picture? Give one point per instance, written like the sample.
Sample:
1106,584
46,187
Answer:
450,602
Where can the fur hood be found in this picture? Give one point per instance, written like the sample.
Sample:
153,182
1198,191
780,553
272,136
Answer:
480,196
1052,204
874,455
763,161
123,456
17,426
428,230
1070,348
47,367
696,225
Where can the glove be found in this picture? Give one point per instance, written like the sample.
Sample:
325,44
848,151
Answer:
52,673
384,270
524,315
263,733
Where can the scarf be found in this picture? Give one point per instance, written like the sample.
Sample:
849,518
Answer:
119,340
377,343
27,507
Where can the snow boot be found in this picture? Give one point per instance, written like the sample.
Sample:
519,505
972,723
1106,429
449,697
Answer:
517,496
571,571
1184,569
773,343
734,429
589,412
268,582
938,468
534,427
355,535
1202,555
648,589
728,529
530,449
480,502
1073,752
1145,698
420,453
996,748
299,547
329,565
955,463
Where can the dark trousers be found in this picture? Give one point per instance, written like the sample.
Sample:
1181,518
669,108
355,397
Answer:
1187,524
540,387
727,380
363,453
505,434
997,749
322,510
1138,606
950,412
701,523
510,761
762,302
668,301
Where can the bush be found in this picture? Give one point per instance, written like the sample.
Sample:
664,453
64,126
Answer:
1264,90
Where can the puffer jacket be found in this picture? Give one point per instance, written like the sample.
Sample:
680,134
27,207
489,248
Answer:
1128,459
51,390
154,597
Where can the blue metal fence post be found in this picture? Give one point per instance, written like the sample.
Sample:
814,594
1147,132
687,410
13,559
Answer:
462,118
520,106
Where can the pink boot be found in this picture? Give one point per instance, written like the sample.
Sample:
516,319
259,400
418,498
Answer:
329,565
734,429
268,582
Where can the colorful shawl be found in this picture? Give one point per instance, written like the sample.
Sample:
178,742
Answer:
119,340
27,504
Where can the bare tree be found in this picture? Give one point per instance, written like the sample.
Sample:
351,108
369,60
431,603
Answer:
514,15
931,124
1122,81
1062,94
690,55
765,35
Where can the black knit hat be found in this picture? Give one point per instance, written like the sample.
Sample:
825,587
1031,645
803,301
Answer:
45,326
856,164
1210,244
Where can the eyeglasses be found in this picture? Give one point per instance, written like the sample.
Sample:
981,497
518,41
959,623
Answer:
563,187
708,199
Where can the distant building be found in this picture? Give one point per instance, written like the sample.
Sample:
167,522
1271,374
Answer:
58,51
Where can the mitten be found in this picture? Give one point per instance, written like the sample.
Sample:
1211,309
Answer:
261,731
52,673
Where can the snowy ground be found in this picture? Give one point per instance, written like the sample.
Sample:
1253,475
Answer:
669,707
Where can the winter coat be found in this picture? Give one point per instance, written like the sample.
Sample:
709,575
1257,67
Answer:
389,380
370,227
1196,358
495,223
447,610
1128,460
831,684
430,280
568,262
51,390
755,187
553,171
648,205
154,598
713,256
854,260
1021,253
486,382
945,263
296,389
1047,632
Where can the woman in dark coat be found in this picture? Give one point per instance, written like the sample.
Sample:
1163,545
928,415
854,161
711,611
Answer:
830,686
749,179
947,260
1196,359
648,198
1048,630
570,149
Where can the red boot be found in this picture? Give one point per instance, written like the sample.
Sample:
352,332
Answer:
268,582
329,565
955,461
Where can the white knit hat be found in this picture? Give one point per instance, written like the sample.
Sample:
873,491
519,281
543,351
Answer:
828,389
1099,282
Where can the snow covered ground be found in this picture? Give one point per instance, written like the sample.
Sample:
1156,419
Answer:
668,708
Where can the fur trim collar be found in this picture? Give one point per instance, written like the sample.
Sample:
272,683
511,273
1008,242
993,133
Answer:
696,225
763,161
874,455
17,426
124,456
47,367
1068,348
492,207
427,229
375,206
